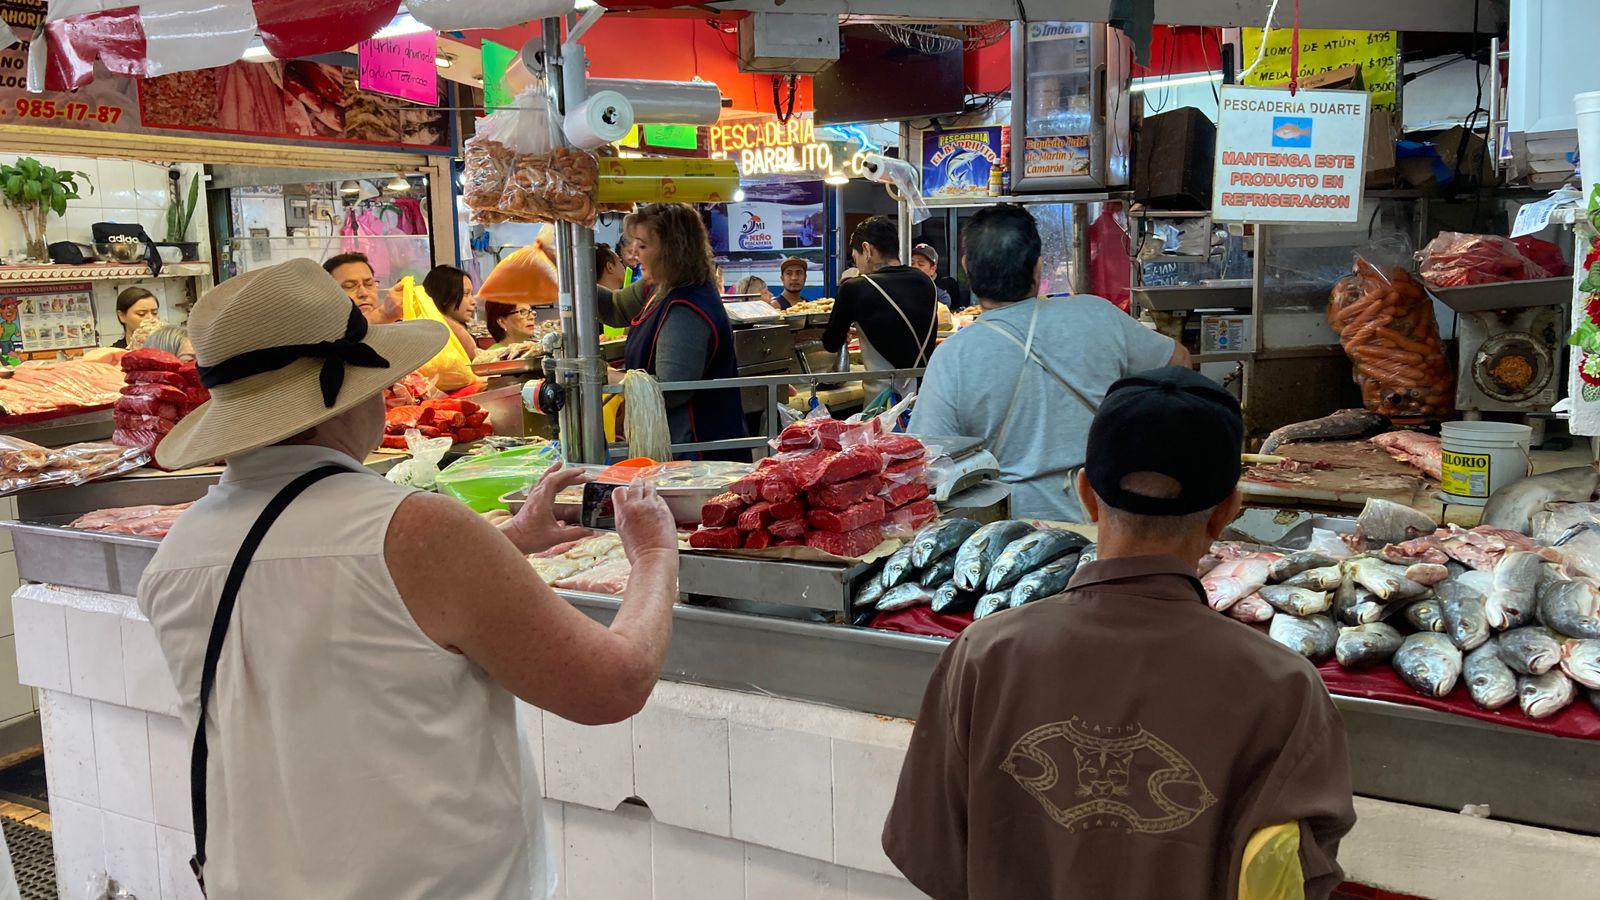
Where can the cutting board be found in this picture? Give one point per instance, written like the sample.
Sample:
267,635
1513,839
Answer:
1357,470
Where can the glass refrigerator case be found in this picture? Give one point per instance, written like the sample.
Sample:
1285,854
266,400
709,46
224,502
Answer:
1069,129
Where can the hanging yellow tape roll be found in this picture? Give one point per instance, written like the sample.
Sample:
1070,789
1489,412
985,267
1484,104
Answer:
666,189
635,167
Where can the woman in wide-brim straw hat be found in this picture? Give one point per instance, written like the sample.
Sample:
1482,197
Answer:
352,647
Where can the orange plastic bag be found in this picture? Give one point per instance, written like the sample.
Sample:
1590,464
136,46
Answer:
1385,323
528,275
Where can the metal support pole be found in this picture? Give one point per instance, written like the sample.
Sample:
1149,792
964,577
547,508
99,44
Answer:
582,425
1080,248
905,204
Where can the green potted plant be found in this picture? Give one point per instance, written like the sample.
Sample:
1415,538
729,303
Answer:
36,190
180,212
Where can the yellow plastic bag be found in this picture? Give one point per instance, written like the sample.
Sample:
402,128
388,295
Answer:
451,368
1270,869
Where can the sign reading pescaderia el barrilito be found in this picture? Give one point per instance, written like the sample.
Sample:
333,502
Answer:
1283,158
964,163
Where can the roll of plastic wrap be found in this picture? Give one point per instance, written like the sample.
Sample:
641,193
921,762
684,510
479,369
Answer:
666,102
602,119
665,189
901,178
636,167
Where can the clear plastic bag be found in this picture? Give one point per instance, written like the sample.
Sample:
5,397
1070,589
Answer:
1384,319
422,469
558,185
490,156
1454,259
24,466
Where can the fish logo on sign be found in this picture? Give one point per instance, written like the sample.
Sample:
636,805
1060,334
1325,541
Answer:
1291,131
755,234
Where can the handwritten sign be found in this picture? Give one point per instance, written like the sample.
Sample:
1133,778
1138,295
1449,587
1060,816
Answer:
1289,159
400,67
1324,50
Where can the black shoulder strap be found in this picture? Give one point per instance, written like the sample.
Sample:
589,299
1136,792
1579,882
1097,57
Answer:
219,634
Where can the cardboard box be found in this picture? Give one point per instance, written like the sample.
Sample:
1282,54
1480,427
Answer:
1383,128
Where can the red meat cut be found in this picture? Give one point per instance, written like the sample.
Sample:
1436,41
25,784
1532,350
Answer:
849,544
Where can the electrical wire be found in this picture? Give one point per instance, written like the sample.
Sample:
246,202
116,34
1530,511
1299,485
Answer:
1266,29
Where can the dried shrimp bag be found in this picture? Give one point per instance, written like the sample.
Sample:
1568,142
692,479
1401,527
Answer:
555,186
1384,319
490,155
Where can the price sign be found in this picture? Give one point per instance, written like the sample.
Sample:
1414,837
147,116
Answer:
1323,50
401,67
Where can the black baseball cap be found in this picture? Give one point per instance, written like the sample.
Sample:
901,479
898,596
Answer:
927,252
1172,421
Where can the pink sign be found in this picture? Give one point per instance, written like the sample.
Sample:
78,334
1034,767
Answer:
400,67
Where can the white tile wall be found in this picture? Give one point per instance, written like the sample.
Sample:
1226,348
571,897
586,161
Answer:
774,875
145,674
173,850
170,740
782,789
607,854
124,191
67,724
131,855
690,865
680,764
122,760
77,832
864,779
94,654
41,629
868,886
16,698
588,765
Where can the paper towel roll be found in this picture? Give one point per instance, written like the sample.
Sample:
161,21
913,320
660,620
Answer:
666,102
602,119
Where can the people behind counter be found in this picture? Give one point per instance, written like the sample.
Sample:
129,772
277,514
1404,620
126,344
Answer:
134,306
891,305
452,294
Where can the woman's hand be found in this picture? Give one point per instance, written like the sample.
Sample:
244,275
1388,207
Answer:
534,528
644,522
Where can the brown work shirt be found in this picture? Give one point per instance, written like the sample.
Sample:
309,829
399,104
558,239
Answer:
1119,740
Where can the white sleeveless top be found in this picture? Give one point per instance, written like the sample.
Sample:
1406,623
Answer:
350,755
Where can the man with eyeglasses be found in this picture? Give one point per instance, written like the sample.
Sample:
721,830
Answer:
354,273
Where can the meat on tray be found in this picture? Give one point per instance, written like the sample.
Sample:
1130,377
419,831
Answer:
847,464
757,540
756,517
788,529
609,577
848,544
145,521
900,494
35,388
1413,448
722,509
844,494
867,512
716,539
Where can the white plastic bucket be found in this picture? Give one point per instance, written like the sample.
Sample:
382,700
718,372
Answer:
1588,115
1478,458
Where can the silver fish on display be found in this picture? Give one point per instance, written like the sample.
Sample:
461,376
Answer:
1031,551
989,604
1296,601
1427,573
1089,555
1545,695
1346,423
1297,562
1579,546
1489,680
1369,609
1387,580
1387,522
1465,622
904,596
1326,578
1345,598
950,599
898,569
938,573
1512,507
1571,608
978,552
1235,578
1425,615
1530,650
1366,645
940,538
1429,663
1510,602
1252,609
1581,661
1313,637
1046,581
869,592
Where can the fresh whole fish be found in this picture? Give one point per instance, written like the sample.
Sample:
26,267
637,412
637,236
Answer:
1345,598
1465,622
1366,645
1424,549
1252,609
1553,520
870,592
1427,573
898,569
1298,562
1429,663
1207,563
1531,650
1296,601
1489,680
1516,583
1425,615
1031,551
1387,522
1387,580
1313,637
1325,578
904,596
949,599
1089,555
979,552
1571,608
940,538
939,573
1046,581
1369,608
1234,579
1579,547
1328,543
1346,423
989,604
1512,507
1545,695
1581,661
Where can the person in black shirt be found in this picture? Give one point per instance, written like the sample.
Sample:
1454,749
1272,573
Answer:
891,305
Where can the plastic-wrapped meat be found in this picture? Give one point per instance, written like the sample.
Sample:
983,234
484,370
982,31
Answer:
150,360
756,517
792,509
609,577
906,469
146,521
722,509
847,464
914,515
845,494
137,422
779,486
173,379
900,494
166,393
804,467
862,514
788,529
899,447
716,539
826,433
850,544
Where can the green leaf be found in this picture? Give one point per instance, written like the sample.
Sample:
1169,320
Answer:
1586,336
1591,281
60,206
14,186
31,192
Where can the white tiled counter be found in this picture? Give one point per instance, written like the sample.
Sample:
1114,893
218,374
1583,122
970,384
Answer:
707,794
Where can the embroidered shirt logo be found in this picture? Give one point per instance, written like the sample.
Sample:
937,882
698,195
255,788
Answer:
1123,777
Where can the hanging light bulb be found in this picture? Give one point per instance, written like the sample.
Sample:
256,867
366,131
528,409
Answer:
349,187
836,179
738,195
398,184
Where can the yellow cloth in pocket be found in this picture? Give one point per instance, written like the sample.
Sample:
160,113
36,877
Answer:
451,368
1270,869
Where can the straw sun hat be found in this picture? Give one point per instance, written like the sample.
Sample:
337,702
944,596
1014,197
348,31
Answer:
283,349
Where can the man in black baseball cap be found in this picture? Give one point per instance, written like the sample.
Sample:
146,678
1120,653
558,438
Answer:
1124,739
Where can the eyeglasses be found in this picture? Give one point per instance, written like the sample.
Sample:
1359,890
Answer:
369,284
526,312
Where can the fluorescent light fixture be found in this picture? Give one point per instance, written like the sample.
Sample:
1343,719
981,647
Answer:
738,195
1158,82
401,26
444,61
257,53
836,178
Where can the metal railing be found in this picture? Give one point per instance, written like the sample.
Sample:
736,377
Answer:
771,383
